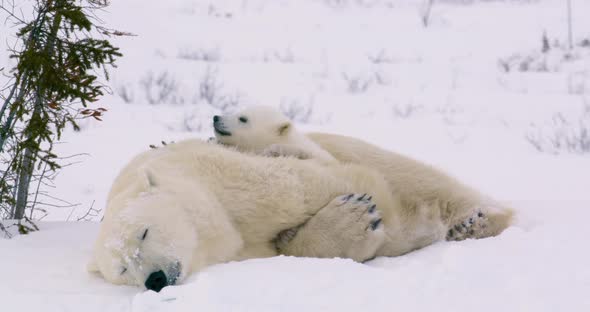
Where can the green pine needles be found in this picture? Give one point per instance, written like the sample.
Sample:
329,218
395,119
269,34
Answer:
59,57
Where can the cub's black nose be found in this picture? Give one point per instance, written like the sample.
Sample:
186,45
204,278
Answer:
216,118
156,281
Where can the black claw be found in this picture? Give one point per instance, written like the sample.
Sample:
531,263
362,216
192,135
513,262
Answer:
375,224
370,197
348,197
144,235
362,197
372,208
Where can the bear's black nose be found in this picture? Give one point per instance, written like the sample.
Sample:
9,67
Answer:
156,281
216,118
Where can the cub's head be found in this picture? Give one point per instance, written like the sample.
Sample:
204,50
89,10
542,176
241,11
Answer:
252,129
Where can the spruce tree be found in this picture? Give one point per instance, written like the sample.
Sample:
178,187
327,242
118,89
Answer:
59,57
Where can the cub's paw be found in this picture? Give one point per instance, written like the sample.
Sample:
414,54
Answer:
472,227
280,150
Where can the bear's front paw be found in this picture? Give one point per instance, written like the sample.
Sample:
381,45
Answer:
363,212
470,228
349,226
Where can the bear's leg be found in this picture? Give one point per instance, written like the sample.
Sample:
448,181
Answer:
348,227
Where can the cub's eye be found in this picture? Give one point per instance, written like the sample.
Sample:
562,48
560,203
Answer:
243,119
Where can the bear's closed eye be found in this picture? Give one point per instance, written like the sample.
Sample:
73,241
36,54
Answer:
144,235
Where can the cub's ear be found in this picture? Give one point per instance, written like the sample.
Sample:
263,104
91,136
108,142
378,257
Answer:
284,128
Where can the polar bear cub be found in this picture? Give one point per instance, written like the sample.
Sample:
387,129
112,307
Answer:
265,131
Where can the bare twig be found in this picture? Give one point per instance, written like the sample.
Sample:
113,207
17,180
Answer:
90,213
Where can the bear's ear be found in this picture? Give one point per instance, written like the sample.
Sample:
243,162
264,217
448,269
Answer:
150,181
284,128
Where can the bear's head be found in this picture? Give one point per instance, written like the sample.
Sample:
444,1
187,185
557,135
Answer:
146,244
252,129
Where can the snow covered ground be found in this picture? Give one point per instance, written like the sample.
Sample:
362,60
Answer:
363,68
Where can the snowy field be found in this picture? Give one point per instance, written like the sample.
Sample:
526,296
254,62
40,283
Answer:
472,94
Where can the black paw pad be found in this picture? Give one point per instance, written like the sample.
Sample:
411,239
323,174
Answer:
451,233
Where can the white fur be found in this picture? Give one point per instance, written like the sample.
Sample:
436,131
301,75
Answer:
432,203
266,132
203,204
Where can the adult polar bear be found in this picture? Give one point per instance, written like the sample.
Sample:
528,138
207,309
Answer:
433,205
176,209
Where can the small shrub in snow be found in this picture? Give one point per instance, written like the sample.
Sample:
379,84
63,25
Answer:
209,87
382,78
550,58
212,92
358,83
562,135
191,122
296,110
160,89
214,11
282,56
405,111
203,55
227,102
380,57
125,92
425,10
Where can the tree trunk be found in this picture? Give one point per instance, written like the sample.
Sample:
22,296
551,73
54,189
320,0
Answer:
24,180
29,158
